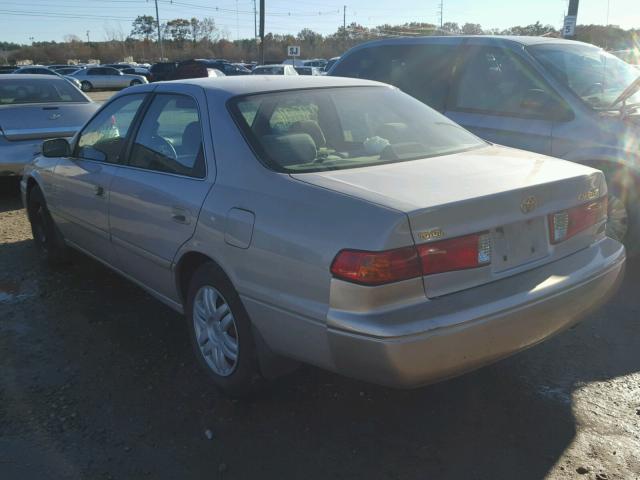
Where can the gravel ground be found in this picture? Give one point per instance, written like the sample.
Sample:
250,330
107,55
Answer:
101,96
97,381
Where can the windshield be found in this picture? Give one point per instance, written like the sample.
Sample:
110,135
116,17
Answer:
593,74
338,128
45,90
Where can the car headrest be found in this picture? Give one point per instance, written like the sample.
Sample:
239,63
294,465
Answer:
394,132
290,149
312,128
192,136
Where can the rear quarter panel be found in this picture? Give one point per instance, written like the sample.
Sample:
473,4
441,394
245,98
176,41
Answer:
298,229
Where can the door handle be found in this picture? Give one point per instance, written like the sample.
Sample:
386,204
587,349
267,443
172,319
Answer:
99,191
180,215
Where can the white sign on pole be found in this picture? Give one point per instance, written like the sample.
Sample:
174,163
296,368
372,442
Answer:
293,51
569,29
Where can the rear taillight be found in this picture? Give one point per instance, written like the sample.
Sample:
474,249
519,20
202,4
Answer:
568,223
456,254
377,268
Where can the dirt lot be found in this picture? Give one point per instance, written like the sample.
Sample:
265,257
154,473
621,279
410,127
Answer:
101,95
97,381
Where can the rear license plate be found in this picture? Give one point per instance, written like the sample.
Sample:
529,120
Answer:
519,243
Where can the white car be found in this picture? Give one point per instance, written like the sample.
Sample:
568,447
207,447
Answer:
274,70
107,78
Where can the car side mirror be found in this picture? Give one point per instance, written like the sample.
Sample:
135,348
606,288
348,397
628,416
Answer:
56,147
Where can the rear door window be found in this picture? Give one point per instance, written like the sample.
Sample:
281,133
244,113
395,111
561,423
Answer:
422,71
497,81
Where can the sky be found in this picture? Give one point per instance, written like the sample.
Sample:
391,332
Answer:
39,20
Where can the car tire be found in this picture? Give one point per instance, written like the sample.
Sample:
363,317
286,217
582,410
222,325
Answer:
135,82
86,86
623,222
48,239
220,329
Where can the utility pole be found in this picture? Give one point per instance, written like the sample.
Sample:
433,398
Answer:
88,39
570,20
441,13
255,20
159,32
261,32
344,18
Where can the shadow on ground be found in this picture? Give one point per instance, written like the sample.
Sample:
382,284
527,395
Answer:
99,379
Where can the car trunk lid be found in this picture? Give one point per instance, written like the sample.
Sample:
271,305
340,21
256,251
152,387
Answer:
40,121
504,192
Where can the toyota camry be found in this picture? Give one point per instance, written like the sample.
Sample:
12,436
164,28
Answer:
333,221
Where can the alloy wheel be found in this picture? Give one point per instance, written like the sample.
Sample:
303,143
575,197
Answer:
216,331
618,219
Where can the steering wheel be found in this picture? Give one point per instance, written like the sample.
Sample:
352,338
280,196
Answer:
164,147
596,87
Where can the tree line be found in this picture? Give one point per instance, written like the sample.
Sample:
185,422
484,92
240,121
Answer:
201,38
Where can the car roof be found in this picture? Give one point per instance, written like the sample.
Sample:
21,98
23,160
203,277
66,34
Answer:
497,39
32,76
248,84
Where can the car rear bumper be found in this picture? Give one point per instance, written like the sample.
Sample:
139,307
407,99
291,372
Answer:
16,154
465,330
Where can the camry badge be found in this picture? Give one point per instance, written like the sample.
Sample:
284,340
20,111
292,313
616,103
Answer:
55,116
589,195
434,234
529,204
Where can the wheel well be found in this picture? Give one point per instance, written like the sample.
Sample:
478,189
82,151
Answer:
187,266
31,184
624,176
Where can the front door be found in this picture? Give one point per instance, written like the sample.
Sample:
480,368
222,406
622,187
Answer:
500,98
81,183
156,197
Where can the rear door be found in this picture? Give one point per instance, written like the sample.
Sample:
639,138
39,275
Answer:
97,78
113,78
81,183
498,96
156,197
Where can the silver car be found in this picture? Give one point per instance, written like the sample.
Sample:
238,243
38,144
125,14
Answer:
106,78
552,96
333,221
33,108
38,70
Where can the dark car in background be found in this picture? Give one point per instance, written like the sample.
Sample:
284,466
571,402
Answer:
162,71
558,97
7,69
139,71
201,68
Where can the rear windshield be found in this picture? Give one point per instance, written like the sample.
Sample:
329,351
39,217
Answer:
339,128
45,90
